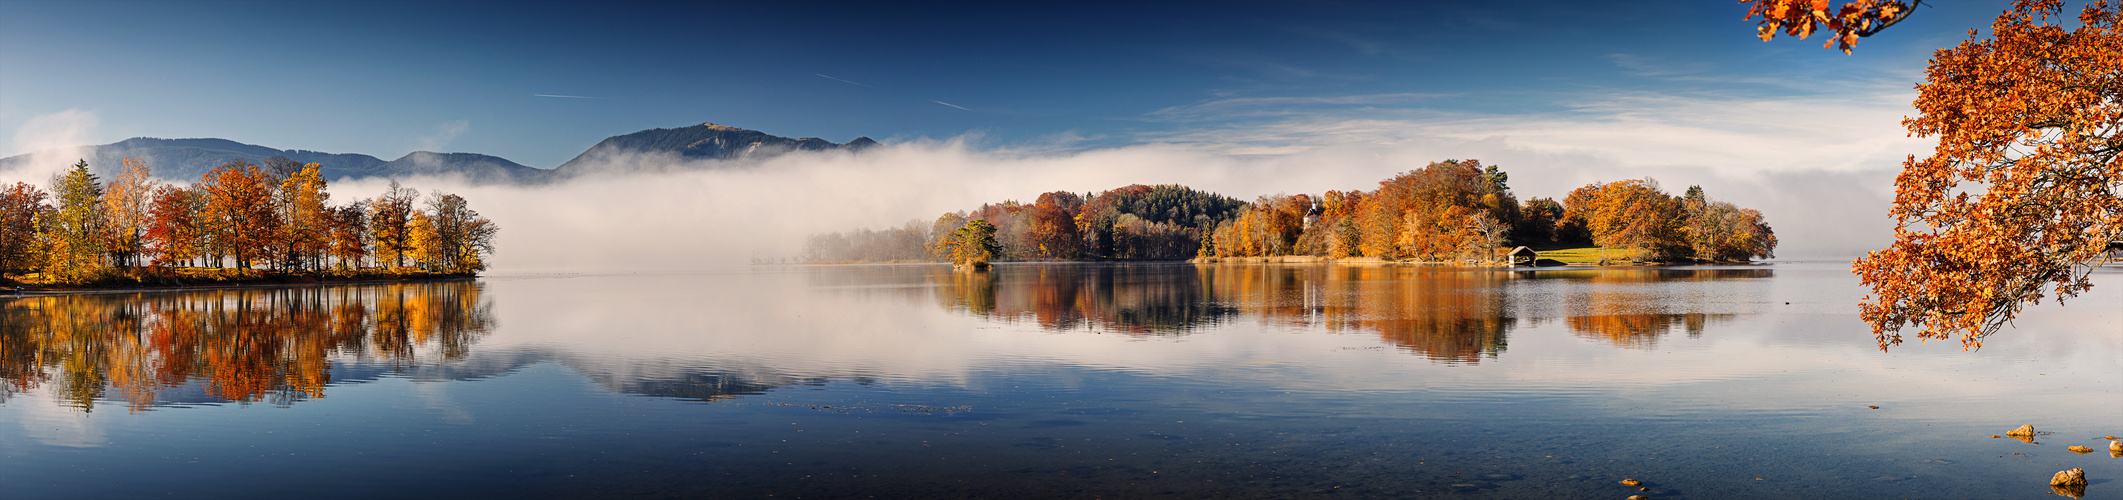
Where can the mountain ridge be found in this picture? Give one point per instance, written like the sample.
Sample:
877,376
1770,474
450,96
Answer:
706,141
190,158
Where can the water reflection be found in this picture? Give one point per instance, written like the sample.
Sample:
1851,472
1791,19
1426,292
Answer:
1448,315
1142,300
278,345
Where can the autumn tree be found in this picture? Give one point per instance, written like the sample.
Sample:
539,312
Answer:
420,244
303,204
939,241
173,225
2020,198
973,245
460,236
1052,232
240,200
1339,235
1631,214
74,234
1537,222
1850,21
21,207
389,216
350,229
125,212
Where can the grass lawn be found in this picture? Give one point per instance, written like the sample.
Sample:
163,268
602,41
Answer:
1586,255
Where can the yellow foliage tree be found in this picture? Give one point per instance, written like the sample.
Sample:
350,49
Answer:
420,240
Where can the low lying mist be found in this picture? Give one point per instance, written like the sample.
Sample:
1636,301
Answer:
658,213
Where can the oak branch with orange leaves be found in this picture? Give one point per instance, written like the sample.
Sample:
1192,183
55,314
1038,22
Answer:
1802,18
2020,199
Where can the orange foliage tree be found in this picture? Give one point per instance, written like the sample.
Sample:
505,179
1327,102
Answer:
173,227
1802,18
2020,197
1052,232
241,195
21,206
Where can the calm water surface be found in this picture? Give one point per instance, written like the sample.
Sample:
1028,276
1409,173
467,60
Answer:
1072,381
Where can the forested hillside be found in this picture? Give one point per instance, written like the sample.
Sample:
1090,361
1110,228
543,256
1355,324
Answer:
1454,211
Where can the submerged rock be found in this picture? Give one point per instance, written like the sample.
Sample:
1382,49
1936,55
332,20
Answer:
2079,449
1631,482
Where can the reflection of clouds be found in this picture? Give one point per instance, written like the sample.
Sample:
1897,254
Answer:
56,425
1430,334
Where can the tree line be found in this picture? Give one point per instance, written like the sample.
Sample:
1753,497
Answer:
1451,211
239,216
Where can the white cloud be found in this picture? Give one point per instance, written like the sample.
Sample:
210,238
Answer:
1820,166
445,133
55,141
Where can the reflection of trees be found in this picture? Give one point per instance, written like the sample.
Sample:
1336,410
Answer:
245,345
1141,299
1451,315
1638,331
1617,308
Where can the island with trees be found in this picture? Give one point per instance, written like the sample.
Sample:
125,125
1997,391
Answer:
1456,212
239,223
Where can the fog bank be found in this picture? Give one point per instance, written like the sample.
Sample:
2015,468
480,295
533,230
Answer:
653,212
647,213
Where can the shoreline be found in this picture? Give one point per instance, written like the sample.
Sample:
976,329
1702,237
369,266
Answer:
1306,259
270,281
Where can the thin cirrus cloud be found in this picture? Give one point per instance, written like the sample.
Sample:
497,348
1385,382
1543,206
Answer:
822,75
1236,108
851,82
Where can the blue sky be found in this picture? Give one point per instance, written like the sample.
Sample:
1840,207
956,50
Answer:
991,101
386,78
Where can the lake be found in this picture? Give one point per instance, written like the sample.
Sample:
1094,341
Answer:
1156,380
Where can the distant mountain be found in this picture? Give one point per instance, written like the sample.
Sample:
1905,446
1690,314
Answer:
706,141
188,159
476,167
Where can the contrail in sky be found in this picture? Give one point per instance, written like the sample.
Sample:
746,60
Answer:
565,96
821,75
